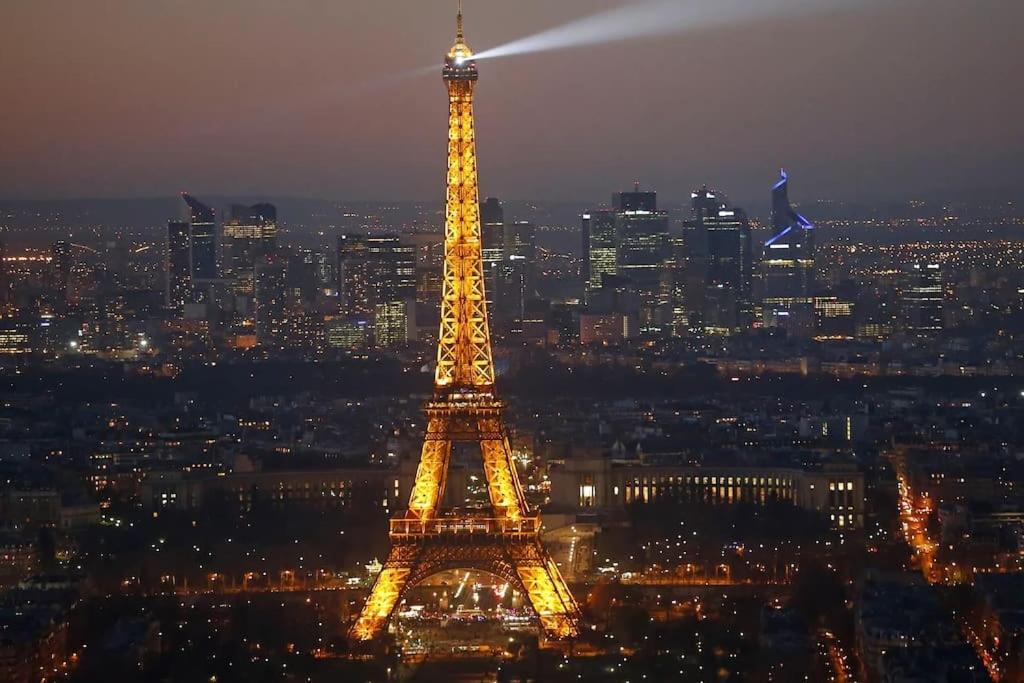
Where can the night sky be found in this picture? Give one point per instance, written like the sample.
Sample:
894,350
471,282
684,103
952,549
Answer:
321,98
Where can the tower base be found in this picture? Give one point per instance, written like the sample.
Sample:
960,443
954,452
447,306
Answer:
518,558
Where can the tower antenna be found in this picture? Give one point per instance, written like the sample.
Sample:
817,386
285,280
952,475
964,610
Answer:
459,37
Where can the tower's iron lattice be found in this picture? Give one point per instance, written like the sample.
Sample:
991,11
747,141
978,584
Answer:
427,539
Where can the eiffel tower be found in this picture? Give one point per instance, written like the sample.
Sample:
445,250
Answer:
426,539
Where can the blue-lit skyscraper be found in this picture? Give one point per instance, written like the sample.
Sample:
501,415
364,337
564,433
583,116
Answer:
788,266
203,229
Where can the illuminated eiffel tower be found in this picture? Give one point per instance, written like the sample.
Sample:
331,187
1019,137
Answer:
425,539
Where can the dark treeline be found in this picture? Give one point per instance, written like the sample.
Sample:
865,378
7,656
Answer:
235,383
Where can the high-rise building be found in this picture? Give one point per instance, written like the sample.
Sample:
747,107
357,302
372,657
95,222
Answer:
257,223
492,237
302,277
788,267
681,277
179,265
834,318
348,332
393,322
635,201
520,270
722,240
250,233
63,264
600,251
922,300
271,278
643,250
374,269
203,236
323,269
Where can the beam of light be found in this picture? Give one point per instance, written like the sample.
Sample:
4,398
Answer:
462,585
653,18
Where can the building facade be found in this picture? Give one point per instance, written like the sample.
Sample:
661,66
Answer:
606,484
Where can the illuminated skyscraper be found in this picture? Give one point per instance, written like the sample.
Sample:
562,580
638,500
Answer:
519,277
722,240
503,539
599,248
250,233
922,300
271,276
179,265
203,235
788,266
628,247
492,227
256,223
374,269
392,322
643,249
63,263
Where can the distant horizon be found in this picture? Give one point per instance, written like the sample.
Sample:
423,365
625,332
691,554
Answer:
964,197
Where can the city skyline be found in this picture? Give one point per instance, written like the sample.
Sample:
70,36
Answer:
863,101
633,438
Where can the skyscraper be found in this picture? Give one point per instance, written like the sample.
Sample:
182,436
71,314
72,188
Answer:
492,229
250,233
257,223
179,265
722,234
519,277
63,263
271,285
374,269
203,236
599,248
642,250
922,300
392,322
788,266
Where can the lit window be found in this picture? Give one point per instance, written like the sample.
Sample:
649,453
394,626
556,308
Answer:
587,492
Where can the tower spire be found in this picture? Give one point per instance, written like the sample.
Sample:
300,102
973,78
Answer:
459,36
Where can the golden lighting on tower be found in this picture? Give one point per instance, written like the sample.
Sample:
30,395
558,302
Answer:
426,540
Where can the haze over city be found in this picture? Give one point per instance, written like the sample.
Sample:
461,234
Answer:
869,100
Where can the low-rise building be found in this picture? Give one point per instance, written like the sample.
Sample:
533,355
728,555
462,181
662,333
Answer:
594,483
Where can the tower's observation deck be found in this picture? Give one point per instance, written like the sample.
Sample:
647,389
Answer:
462,524
426,539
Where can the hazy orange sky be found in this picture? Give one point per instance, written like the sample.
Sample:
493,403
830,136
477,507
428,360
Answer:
127,98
